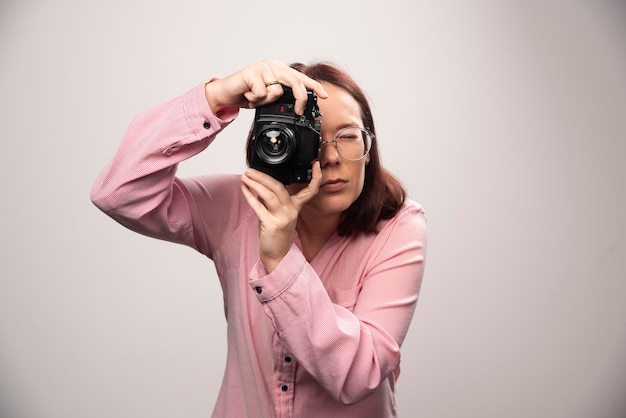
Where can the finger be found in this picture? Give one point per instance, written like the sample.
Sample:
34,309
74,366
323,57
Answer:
258,93
301,95
298,82
259,78
269,191
255,204
307,193
267,74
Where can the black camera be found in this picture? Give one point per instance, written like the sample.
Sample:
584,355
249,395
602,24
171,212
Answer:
285,144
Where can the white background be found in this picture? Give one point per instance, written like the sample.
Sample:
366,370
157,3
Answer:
505,119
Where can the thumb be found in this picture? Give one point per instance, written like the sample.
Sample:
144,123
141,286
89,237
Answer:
306,194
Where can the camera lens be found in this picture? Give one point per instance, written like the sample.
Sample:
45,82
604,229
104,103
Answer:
275,143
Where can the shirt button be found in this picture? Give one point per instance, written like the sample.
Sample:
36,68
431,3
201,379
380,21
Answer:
288,359
284,388
207,125
258,289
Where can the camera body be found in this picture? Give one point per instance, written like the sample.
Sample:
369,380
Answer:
285,144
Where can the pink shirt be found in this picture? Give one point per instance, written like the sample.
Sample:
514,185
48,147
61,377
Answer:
311,339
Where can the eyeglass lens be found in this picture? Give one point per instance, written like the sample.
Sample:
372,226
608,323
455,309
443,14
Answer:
353,143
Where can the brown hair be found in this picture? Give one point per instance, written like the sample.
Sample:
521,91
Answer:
383,194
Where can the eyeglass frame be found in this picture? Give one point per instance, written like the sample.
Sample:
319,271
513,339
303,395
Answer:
336,141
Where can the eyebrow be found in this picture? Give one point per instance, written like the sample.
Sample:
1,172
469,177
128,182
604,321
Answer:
347,125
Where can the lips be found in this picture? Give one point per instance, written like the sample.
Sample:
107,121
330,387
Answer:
334,184
332,181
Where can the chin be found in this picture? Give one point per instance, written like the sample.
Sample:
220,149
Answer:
331,204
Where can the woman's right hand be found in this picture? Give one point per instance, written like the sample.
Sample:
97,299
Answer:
254,86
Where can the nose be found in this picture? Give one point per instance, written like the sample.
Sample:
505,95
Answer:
328,153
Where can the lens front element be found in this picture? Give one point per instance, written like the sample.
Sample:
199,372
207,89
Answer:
275,143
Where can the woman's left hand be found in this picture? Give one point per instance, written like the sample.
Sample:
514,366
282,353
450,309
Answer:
277,211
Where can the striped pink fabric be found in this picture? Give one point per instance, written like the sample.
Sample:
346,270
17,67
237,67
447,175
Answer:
311,339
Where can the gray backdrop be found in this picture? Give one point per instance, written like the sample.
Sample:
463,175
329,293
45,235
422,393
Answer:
504,119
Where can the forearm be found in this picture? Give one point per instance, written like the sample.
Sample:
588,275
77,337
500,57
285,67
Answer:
349,349
349,357
137,188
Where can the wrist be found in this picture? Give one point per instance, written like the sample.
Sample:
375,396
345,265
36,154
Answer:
270,264
211,93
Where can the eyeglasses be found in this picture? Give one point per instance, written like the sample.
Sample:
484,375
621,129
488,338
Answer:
352,143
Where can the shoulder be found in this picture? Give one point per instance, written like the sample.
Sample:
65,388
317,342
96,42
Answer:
399,241
407,227
411,213
411,207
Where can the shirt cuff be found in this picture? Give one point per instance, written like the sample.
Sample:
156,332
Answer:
268,286
201,119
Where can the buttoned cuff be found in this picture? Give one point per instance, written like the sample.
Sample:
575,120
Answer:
268,286
200,116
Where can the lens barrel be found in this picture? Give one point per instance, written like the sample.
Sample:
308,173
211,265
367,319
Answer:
275,143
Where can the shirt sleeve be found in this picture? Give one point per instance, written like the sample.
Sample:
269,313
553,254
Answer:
138,188
349,352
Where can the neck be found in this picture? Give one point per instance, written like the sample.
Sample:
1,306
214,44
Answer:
314,229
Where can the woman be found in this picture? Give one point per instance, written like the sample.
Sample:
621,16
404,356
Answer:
320,280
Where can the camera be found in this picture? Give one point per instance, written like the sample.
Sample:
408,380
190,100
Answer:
285,144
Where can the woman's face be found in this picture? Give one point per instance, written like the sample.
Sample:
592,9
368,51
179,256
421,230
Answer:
342,180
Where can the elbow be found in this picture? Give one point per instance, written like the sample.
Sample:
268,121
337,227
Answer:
355,392
382,371
96,198
352,398
112,200
102,199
